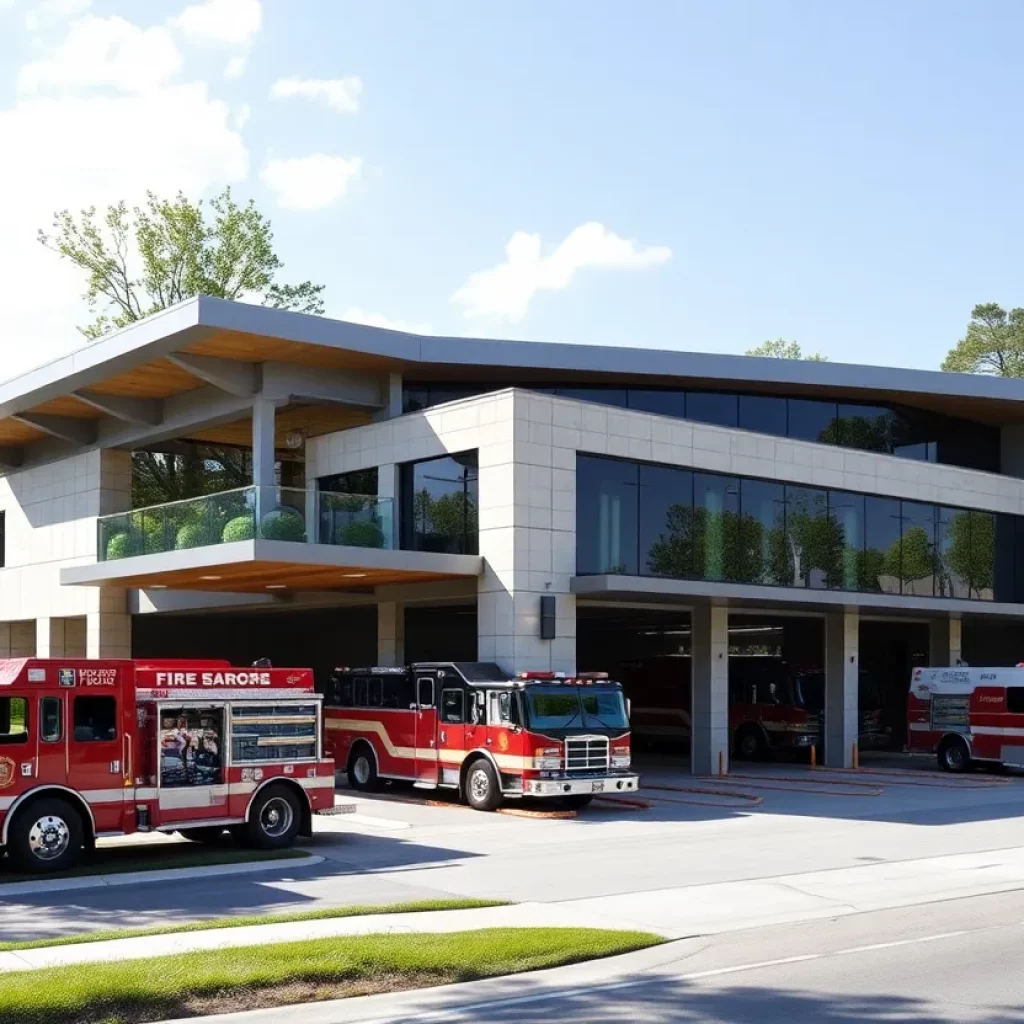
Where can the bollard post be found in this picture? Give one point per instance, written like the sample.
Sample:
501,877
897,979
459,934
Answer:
814,756
856,759
721,763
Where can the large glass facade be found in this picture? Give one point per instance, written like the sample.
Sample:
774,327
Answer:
640,519
891,430
439,504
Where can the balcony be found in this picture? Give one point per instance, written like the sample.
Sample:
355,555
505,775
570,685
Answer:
269,513
257,539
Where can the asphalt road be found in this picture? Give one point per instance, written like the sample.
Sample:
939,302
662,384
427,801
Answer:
953,961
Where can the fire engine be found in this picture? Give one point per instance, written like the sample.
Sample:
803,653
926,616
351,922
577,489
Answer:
967,714
103,748
472,727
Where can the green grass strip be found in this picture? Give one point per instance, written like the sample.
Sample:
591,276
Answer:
130,991
325,913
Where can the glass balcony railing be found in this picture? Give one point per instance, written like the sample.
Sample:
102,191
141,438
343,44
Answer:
270,513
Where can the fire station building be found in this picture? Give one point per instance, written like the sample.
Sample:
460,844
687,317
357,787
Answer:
687,522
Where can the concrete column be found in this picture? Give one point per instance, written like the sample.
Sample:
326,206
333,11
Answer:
23,639
709,703
944,642
5,639
50,639
263,457
388,489
108,632
390,633
391,397
842,679
75,630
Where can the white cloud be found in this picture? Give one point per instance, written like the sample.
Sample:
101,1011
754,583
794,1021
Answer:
229,22
79,147
104,52
340,94
354,315
235,68
310,182
506,290
52,12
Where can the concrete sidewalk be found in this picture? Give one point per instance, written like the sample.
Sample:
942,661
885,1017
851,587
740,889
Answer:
673,913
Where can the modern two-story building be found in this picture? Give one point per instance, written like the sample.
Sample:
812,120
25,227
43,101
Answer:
669,517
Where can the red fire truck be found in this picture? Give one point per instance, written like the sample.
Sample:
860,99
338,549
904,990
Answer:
101,748
471,727
967,714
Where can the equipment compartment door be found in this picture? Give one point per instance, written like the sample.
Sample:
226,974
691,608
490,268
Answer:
193,785
426,731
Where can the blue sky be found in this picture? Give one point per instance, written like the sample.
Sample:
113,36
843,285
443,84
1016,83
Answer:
842,174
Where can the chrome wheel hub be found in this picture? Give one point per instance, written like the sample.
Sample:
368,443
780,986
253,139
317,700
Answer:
49,837
361,769
479,785
276,817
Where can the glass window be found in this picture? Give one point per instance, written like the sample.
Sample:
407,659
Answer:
440,504
360,481
810,543
606,502
762,533
763,414
811,420
13,720
917,549
846,512
953,553
867,427
1015,700
453,706
376,692
603,396
274,732
51,719
362,686
95,719
425,691
666,522
982,565
915,435
666,403
398,691
712,407
345,693
716,519
880,565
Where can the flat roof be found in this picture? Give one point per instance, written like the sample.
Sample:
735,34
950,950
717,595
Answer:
157,359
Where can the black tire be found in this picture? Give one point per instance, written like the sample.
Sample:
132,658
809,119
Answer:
749,744
482,790
578,801
204,834
954,755
362,769
275,818
47,835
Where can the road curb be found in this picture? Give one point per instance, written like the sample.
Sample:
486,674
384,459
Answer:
10,890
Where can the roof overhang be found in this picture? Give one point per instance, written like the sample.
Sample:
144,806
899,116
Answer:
267,566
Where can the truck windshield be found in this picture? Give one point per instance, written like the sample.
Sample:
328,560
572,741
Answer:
566,707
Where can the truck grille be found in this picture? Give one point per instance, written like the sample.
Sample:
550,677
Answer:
586,754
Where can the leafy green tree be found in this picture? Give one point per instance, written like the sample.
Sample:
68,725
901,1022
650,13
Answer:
993,344
912,557
971,551
195,470
169,250
443,522
779,348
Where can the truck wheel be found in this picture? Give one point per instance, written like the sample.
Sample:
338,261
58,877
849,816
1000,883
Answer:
954,755
46,836
750,744
578,801
482,790
274,818
206,834
362,769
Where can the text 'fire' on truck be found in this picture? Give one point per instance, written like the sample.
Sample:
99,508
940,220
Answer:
967,716
472,727
101,748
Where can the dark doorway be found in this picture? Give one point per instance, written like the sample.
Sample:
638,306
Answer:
889,652
441,633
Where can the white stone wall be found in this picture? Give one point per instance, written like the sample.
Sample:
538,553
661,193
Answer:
50,521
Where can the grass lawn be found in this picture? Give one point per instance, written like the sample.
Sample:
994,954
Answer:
113,860
228,980
411,907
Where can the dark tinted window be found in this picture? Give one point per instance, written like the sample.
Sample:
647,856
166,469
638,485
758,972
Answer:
811,420
376,692
95,719
880,565
917,549
345,694
866,427
846,512
711,407
716,508
603,396
453,706
425,691
762,533
13,720
810,547
1015,700
360,481
439,502
362,688
666,522
763,414
51,719
606,539
666,403
398,691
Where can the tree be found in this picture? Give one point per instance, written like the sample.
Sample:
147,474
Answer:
158,477
170,250
993,344
779,348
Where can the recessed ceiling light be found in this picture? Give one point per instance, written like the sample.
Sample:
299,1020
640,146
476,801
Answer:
209,577
157,586
277,586
353,575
